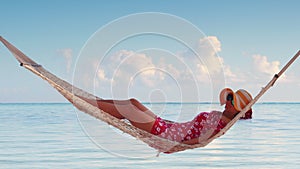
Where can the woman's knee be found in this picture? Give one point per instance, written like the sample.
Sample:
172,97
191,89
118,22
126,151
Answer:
134,101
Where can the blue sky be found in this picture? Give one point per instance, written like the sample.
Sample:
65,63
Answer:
252,39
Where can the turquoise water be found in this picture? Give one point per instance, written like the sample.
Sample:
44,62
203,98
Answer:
57,136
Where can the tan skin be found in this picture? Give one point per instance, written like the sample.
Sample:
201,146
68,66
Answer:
143,118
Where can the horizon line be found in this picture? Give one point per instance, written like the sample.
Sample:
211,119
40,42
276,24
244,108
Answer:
168,102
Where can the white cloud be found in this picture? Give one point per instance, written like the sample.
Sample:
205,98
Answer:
67,53
209,66
132,64
124,66
262,65
169,68
102,76
207,49
211,44
185,71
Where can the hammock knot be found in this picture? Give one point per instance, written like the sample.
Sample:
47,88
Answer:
33,65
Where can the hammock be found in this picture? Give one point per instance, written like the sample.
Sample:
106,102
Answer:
73,94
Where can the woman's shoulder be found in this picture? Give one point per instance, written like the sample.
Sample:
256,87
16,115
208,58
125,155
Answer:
216,114
212,114
209,120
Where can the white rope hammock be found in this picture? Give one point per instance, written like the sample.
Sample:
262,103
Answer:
71,92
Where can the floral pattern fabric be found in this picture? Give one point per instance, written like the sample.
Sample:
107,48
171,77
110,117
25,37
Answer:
202,127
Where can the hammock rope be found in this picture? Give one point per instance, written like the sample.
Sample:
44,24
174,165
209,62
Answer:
73,94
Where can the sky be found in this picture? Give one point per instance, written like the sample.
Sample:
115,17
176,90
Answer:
176,51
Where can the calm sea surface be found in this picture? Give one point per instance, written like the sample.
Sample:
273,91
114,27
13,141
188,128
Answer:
58,136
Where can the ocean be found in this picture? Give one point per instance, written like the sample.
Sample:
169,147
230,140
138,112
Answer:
58,136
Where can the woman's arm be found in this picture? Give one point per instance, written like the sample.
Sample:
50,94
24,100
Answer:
207,135
191,141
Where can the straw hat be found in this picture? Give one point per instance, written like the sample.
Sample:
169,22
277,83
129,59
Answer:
241,98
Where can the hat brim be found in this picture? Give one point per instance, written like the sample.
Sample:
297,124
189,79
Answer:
223,95
235,101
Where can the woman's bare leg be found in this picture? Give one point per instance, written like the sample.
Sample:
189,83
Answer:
135,112
134,102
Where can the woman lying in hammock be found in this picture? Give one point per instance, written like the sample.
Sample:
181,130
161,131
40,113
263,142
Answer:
202,127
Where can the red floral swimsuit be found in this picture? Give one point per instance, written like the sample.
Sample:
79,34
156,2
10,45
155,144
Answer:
203,125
